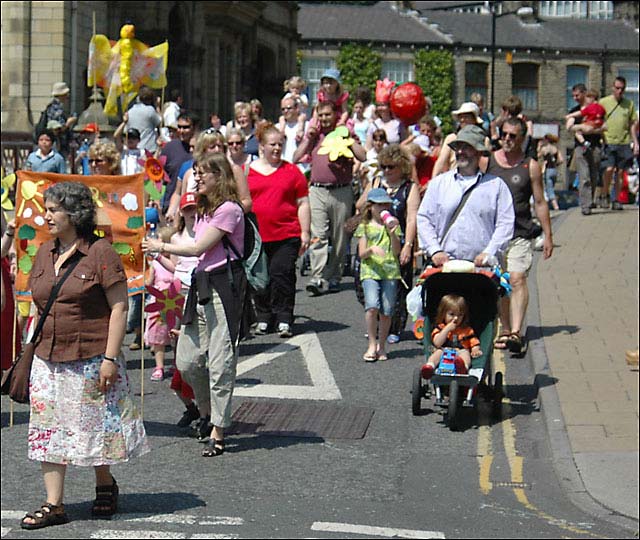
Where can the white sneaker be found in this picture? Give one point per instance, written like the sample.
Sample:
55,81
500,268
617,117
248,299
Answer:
262,328
284,330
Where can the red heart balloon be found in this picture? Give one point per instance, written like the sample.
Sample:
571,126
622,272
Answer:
408,103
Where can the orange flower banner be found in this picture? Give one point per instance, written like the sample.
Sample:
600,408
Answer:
120,218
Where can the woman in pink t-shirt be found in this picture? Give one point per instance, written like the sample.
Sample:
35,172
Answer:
280,196
216,296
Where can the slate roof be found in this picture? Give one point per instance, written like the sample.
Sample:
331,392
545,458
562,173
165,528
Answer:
382,24
378,23
550,33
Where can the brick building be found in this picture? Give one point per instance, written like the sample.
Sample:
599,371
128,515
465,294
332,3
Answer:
537,58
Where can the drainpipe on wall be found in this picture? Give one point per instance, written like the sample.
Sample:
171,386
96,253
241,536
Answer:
28,74
603,78
74,58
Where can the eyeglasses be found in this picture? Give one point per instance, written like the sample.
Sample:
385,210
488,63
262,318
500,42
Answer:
209,131
285,109
96,160
235,143
185,126
388,166
510,136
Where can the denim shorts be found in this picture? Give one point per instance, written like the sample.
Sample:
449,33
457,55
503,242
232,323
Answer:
380,295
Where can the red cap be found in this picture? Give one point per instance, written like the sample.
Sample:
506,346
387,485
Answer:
91,128
188,199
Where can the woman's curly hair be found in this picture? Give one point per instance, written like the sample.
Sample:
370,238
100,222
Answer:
76,200
394,153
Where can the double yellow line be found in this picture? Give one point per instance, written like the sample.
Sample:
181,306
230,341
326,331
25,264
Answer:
516,462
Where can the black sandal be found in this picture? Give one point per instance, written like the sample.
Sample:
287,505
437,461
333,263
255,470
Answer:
213,448
515,343
48,514
106,502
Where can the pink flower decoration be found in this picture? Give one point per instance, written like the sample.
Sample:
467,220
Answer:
169,302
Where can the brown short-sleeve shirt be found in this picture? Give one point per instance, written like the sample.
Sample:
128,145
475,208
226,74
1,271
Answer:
78,324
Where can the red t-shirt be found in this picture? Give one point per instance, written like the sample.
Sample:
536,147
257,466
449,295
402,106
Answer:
593,113
275,201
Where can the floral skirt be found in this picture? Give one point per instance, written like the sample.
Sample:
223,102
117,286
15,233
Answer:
73,423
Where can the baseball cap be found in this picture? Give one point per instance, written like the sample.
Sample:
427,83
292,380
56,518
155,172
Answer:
188,199
473,136
331,74
133,133
91,128
53,124
379,195
470,108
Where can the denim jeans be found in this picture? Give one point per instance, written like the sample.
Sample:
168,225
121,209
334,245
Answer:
380,295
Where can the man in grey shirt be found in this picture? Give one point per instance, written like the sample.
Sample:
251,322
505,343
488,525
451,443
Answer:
144,117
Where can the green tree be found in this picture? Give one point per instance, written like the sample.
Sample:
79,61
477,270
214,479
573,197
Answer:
359,65
434,71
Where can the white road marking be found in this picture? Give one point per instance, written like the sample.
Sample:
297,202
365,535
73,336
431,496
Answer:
181,519
367,530
12,514
323,385
4,531
134,534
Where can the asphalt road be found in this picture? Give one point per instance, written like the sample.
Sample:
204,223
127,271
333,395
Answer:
409,477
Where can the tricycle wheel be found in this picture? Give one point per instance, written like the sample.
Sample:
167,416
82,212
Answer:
416,391
498,393
452,410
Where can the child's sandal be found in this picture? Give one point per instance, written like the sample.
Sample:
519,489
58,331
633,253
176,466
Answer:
213,448
106,501
48,514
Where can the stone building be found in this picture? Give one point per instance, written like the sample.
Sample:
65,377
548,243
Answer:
219,52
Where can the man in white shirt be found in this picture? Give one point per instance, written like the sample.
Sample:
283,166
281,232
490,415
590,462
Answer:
144,117
292,128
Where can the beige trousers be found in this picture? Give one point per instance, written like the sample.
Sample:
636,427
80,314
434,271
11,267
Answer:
207,361
330,208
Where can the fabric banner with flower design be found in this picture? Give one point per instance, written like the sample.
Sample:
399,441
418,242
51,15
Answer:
119,217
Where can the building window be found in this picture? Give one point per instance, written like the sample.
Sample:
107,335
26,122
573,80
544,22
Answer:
524,83
581,10
311,71
475,79
575,75
400,71
631,90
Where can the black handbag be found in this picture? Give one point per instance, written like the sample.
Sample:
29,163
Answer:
15,380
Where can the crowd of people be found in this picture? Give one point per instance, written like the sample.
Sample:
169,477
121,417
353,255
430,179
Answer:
480,193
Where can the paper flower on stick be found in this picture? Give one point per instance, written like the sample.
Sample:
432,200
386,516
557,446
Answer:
7,184
155,175
169,303
337,143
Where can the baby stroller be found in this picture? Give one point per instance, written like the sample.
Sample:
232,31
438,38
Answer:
480,288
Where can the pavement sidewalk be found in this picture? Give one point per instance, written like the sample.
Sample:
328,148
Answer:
588,315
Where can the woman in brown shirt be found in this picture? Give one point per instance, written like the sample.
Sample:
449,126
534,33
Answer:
81,409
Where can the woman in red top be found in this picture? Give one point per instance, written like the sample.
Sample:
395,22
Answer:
280,196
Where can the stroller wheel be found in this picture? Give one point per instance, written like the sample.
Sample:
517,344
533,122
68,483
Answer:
452,410
416,392
498,393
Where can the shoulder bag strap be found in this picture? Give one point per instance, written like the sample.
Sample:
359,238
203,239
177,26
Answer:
52,298
455,215
612,111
